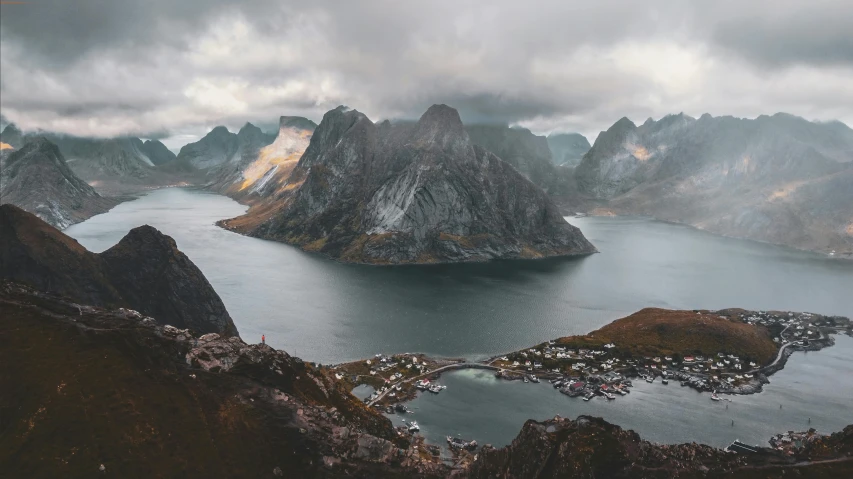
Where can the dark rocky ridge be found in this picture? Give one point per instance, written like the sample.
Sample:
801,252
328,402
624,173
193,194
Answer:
37,179
145,271
567,149
409,193
779,179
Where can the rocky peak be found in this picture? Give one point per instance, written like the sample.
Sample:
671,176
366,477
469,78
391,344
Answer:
12,136
440,127
157,152
145,271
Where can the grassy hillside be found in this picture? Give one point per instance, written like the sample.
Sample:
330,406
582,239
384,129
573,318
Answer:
665,332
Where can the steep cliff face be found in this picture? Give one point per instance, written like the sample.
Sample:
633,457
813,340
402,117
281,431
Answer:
409,193
526,152
262,166
37,179
157,152
567,149
779,179
145,271
217,147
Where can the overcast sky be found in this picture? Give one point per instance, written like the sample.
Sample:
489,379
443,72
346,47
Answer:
175,68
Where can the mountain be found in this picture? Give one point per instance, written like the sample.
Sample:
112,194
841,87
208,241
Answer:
264,162
780,178
216,148
114,166
95,159
567,149
12,136
37,179
409,193
526,152
145,271
264,167
157,152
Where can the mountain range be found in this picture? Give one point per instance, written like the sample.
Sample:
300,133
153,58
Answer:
409,193
114,166
37,178
780,178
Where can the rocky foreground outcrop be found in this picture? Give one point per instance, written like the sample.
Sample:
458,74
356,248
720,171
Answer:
145,271
779,178
37,178
93,387
409,193
592,448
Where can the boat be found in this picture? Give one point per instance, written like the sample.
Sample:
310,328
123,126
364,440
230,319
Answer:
534,378
665,381
714,397
608,395
413,426
588,396
650,379
526,380
435,389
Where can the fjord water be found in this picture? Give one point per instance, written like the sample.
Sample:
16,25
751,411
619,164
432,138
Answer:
329,312
813,390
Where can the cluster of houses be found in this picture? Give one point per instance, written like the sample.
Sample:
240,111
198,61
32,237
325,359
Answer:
797,328
790,442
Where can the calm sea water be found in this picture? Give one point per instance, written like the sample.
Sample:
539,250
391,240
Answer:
328,312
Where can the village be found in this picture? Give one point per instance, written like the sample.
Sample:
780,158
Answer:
607,370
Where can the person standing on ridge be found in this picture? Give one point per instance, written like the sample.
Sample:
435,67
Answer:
263,339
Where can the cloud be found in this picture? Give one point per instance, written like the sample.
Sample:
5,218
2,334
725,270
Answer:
103,68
